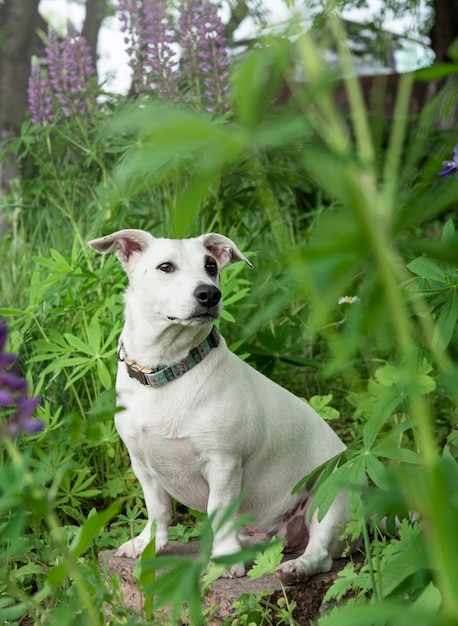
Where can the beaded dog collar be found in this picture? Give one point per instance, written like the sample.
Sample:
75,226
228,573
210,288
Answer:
156,377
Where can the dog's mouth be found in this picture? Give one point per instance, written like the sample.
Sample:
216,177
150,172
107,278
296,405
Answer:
196,318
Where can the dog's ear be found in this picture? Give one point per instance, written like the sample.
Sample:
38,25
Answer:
223,249
125,242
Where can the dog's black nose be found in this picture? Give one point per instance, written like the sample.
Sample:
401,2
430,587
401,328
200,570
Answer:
207,295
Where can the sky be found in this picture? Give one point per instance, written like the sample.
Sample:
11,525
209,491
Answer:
113,61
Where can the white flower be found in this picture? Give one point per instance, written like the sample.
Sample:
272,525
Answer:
348,299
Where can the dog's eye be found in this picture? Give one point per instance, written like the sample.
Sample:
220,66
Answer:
211,267
166,267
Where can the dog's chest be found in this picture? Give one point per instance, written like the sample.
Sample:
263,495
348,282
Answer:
158,436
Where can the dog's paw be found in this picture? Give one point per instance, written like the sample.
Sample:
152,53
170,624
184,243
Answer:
291,572
234,571
299,570
131,549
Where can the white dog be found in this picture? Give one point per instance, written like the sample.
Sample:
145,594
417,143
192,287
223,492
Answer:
201,426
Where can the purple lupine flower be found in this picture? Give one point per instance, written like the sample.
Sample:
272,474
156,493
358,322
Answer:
189,22
214,66
14,401
70,68
157,38
149,37
79,68
204,54
56,70
130,15
40,97
450,167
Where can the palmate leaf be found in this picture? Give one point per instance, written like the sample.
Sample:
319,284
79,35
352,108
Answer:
403,558
267,560
387,402
349,578
350,476
320,473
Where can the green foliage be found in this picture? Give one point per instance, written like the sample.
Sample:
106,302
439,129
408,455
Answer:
267,561
324,209
321,405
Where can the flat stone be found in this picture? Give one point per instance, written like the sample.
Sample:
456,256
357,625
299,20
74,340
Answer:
225,591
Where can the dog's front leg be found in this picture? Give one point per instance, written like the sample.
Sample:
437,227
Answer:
225,485
159,507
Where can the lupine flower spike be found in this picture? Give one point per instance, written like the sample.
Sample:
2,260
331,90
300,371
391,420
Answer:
203,70
65,84
14,401
450,167
40,92
204,57
157,37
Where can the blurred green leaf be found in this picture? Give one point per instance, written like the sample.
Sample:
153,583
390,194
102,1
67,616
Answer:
446,322
437,71
263,71
427,268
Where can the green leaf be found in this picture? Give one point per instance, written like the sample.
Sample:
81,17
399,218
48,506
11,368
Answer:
104,374
436,72
256,80
227,316
312,480
448,232
77,344
381,614
91,528
446,322
176,585
349,578
429,600
384,407
407,557
60,362
146,575
267,561
94,334
427,268
7,311
15,612
375,469
398,454
387,375
321,405
62,263
349,476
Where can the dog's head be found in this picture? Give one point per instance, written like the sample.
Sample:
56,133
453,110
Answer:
172,279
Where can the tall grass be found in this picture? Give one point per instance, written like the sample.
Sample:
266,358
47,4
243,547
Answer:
326,213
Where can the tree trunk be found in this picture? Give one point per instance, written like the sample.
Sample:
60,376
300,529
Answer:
96,11
443,33
18,19
445,28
